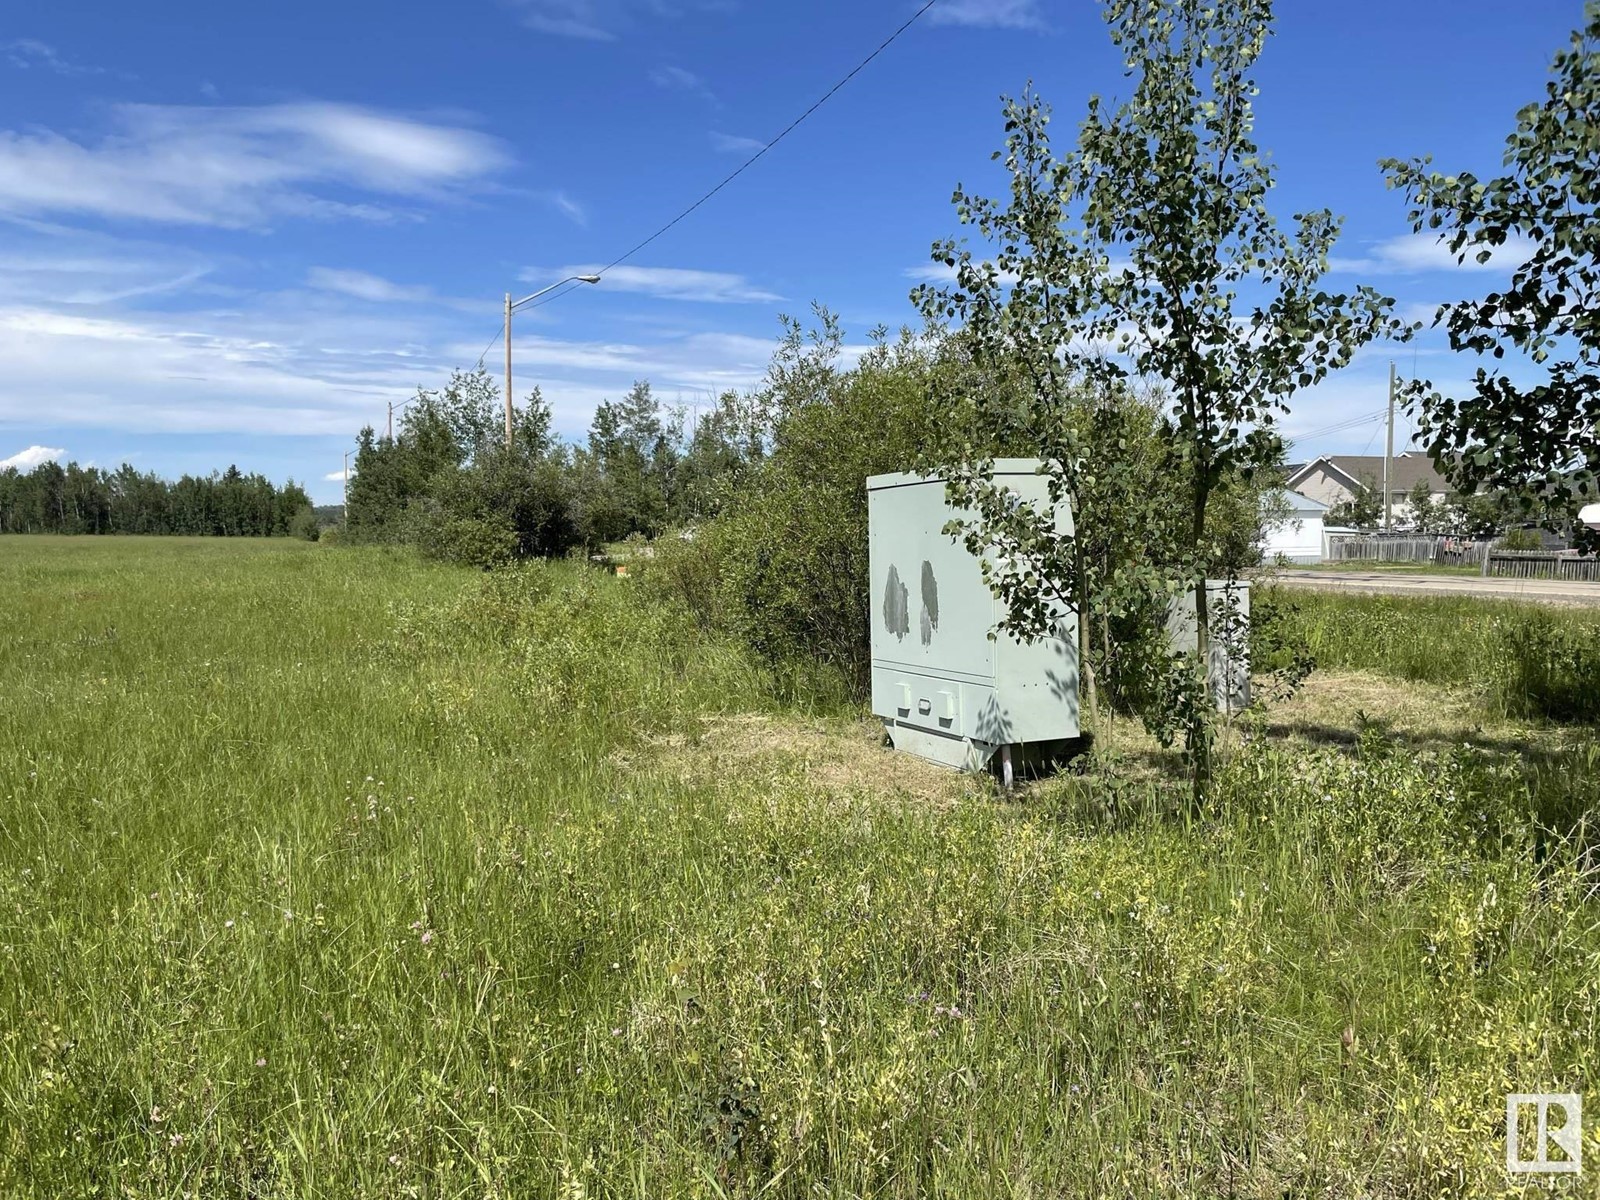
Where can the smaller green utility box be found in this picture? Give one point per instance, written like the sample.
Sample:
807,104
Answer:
944,688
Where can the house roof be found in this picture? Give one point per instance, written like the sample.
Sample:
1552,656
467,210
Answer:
1367,471
1303,504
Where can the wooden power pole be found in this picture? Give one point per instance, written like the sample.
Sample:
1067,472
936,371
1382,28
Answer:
508,369
1388,460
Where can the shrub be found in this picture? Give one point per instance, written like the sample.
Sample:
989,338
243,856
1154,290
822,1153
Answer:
304,525
472,541
784,566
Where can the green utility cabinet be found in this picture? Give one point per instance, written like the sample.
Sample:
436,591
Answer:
944,688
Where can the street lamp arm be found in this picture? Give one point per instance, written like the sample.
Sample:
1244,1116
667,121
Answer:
516,304
511,307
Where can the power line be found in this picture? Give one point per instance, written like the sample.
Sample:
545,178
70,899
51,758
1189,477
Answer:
751,161
499,333
1352,423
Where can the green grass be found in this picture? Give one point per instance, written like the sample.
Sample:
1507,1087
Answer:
1521,659
328,872
1392,568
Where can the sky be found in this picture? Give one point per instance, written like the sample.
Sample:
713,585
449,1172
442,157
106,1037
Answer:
233,234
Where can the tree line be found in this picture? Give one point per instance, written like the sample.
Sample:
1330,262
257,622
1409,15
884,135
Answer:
75,499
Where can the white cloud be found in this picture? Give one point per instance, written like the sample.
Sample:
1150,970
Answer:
666,283
729,144
604,20
365,286
28,54
569,208
1414,253
567,18
940,273
241,166
677,79
338,476
996,14
33,456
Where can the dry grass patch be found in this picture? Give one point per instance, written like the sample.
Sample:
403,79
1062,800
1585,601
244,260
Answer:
833,755
1336,707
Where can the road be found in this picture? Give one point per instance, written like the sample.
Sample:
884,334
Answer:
1537,591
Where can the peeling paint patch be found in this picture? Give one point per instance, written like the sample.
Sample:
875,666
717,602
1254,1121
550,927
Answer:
896,609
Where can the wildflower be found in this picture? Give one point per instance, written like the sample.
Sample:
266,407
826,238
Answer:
492,1090
227,924
427,936
261,1062
175,1141
617,1032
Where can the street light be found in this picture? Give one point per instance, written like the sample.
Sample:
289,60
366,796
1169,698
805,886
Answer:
511,307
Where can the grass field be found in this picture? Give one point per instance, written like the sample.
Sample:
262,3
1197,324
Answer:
328,872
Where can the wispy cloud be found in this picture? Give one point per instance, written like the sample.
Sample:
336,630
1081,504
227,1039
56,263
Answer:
242,167
365,286
1414,253
568,207
339,475
605,20
28,54
567,18
939,273
994,14
676,79
730,144
33,456
668,283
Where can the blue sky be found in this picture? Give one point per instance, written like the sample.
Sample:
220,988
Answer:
232,233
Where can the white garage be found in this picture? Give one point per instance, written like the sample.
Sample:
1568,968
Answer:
1297,538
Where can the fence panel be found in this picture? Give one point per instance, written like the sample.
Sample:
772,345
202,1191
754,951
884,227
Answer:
1541,564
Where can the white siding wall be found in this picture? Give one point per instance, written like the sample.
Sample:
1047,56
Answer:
1299,539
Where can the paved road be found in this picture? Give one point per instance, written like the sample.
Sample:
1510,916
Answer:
1538,591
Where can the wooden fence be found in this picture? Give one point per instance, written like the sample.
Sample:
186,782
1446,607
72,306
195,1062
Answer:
1441,551
1541,564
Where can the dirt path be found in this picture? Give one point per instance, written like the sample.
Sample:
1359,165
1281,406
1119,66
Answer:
1537,591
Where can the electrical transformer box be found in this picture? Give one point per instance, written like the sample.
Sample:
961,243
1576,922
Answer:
947,686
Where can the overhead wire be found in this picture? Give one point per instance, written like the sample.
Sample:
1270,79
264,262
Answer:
1350,423
749,162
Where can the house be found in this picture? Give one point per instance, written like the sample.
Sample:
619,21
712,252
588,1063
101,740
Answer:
1298,537
1334,478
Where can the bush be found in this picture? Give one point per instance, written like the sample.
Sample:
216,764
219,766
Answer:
784,566
1521,539
304,525
471,541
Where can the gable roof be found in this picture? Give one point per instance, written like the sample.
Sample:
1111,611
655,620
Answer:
1366,470
1303,504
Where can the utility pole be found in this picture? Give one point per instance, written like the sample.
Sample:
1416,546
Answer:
512,306
508,369
344,508
1388,459
390,434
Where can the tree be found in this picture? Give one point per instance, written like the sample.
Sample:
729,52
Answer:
1124,259
1426,514
1542,439
1364,509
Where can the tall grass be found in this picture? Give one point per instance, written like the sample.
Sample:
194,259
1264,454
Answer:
1522,659
328,872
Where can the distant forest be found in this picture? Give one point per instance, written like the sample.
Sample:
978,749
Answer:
73,499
